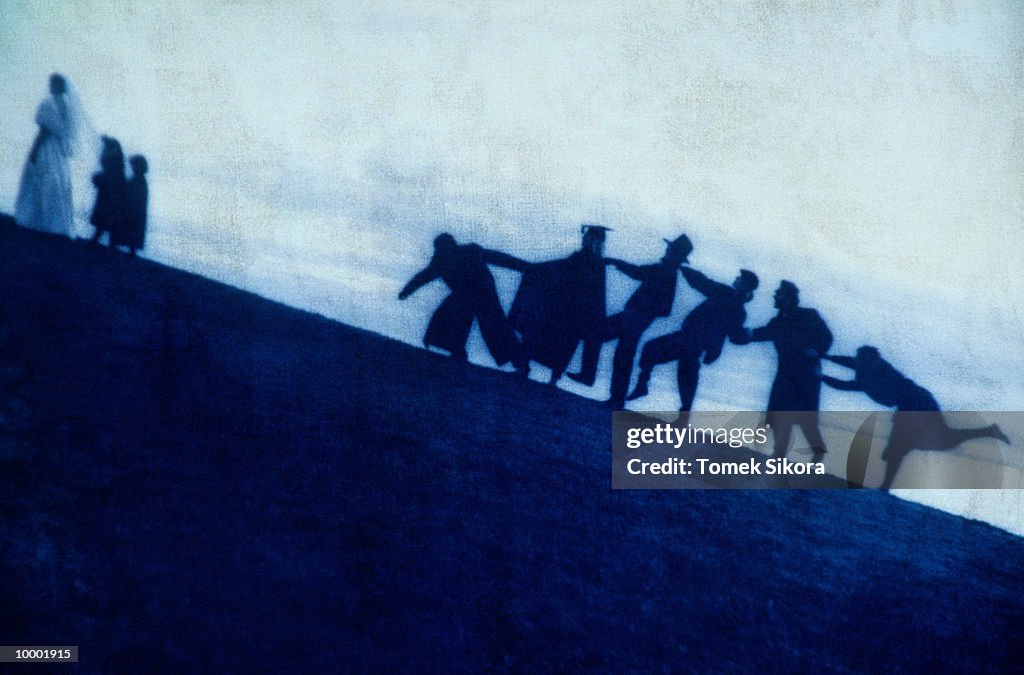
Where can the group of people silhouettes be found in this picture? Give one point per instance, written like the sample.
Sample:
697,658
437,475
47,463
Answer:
44,199
561,303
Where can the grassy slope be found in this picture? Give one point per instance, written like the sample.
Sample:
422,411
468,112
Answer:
199,477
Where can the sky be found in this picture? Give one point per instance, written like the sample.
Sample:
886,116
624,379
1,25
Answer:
310,151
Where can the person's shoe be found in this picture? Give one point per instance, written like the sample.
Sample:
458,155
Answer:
998,434
585,379
640,391
615,404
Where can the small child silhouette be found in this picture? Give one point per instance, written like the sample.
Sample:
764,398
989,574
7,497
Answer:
136,205
108,213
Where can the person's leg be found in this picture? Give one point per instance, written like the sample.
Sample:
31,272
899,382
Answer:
892,466
944,437
607,330
687,377
660,350
588,366
905,436
928,430
450,326
782,429
996,432
622,365
812,432
500,337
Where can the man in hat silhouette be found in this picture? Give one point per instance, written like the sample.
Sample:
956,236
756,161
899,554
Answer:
918,423
474,296
561,302
801,338
702,333
651,300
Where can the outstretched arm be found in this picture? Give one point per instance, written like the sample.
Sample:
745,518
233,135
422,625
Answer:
841,360
701,283
422,278
505,260
629,269
841,384
765,333
738,333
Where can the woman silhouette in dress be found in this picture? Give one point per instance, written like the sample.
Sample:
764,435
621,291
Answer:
44,196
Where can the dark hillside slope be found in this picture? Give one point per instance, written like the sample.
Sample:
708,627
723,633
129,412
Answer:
197,478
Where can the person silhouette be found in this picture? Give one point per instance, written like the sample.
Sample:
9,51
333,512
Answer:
702,333
561,302
108,212
463,268
44,194
136,203
918,423
800,337
651,300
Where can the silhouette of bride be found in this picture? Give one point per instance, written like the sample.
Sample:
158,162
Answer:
44,196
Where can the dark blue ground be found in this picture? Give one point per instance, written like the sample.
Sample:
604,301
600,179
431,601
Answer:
198,479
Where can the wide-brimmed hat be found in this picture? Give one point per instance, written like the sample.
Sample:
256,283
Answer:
681,246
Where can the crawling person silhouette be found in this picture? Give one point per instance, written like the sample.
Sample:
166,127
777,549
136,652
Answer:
918,423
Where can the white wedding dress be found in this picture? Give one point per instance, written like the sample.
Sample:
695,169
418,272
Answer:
45,194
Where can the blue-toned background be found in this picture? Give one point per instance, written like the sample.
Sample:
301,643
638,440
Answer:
310,151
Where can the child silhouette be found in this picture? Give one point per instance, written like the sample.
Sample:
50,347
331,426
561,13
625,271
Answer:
136,205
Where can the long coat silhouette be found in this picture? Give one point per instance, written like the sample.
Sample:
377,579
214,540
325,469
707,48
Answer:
463,268
560,303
